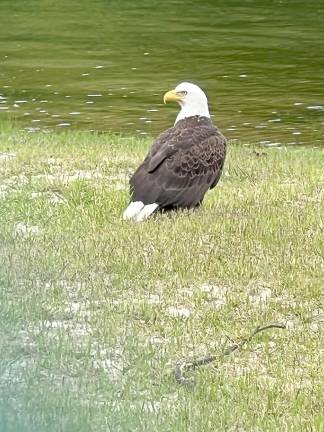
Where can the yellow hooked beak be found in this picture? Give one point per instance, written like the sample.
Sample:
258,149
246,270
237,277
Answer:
172,96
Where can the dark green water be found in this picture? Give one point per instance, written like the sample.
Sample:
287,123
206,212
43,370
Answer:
104,65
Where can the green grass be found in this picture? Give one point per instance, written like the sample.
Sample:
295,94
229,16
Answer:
96,312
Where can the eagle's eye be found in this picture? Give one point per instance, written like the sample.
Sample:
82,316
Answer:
182,93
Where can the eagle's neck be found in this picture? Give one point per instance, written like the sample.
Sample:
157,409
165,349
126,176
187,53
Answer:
194,109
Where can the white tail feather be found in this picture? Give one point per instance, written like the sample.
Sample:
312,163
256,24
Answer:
146,212
133,210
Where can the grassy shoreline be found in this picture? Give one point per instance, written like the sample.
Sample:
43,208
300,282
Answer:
95,312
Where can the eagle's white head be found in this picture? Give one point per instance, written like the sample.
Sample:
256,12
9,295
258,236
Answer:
191,99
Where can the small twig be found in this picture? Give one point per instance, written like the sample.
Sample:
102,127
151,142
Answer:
182,367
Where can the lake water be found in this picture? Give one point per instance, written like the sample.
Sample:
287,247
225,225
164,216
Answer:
104,65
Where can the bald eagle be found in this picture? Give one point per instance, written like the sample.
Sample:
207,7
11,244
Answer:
184,161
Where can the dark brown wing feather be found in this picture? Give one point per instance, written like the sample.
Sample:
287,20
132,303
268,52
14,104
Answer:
182,164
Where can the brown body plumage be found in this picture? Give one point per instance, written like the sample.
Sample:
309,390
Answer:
182,164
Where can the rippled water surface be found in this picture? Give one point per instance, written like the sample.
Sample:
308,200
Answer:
104,65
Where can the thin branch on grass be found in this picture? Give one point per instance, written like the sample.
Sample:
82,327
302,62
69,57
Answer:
182,367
